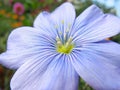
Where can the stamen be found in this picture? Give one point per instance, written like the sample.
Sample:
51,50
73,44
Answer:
63,42
67,30
66,47
68,42
59,43
65,37
60,33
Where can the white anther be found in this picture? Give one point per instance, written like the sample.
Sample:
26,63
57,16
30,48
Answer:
60,33
68,42
59,43
65,36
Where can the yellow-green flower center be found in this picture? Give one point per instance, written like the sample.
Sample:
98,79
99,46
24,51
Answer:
65,48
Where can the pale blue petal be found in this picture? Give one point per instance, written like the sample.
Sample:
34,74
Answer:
58,22
98,64
47,72
23,43
42,23
63,18
92,25
107,49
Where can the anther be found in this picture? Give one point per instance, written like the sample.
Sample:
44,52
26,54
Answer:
68,42
65,36
59,43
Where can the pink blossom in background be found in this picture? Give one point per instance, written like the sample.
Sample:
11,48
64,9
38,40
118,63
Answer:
18,8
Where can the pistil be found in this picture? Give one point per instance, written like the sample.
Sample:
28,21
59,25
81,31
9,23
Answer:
65,48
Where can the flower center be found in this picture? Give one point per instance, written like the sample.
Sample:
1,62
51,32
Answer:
66,47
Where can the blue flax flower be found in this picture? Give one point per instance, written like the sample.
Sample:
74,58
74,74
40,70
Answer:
59,48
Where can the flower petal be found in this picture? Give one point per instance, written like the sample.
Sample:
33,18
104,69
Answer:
59,21
22,44
48,72
42,23
99,65
63,18
92,25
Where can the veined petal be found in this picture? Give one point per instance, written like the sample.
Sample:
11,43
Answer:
92,25
23,43
48,72
57,23
42,23
107,49
85,18
63,18
99,65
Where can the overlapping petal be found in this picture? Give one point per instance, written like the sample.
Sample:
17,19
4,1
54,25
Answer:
42,23
58,22
92,25
22,44
107,49
63,16
98,64
47,72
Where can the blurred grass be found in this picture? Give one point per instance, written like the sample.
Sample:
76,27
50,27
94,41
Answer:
9,20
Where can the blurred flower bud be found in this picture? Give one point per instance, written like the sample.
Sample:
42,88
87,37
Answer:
18,8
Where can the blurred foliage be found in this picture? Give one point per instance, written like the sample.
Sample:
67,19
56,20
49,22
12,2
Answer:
9,20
